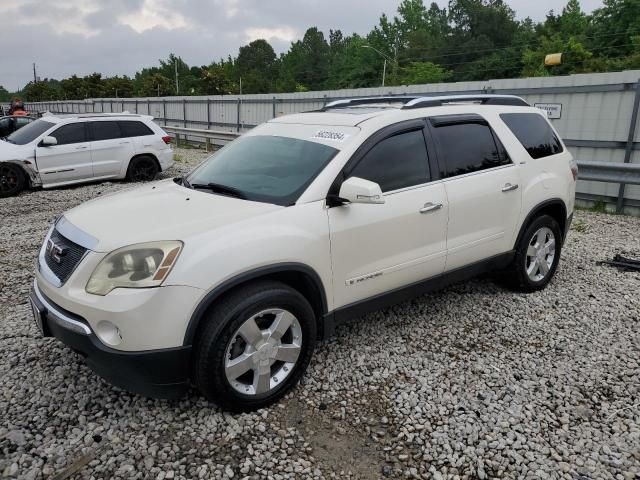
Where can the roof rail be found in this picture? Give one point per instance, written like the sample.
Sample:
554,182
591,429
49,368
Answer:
437,101
350,102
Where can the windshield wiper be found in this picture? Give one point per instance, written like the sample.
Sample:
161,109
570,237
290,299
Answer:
222,189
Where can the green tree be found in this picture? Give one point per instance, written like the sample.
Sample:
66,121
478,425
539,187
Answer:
119,87
256,66
39,92
423,72
5,95
156,85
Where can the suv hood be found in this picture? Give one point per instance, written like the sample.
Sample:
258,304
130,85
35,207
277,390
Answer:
9,151
159,211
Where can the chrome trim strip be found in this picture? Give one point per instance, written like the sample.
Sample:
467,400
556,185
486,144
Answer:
43,268
73,233
66,322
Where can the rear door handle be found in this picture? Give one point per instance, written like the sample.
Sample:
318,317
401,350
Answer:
430,207
508,187
124,143
82,147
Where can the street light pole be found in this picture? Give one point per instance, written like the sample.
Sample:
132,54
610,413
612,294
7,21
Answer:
384,67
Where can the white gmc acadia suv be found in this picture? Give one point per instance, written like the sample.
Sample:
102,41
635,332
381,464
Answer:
226,278
64,150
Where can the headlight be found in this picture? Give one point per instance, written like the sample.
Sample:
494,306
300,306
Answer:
136,266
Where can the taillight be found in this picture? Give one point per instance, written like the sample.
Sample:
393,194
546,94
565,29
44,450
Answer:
166,139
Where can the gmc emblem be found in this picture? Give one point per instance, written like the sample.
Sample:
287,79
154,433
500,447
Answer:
55,251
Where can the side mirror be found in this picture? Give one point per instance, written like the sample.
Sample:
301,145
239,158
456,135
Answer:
48,141
359,190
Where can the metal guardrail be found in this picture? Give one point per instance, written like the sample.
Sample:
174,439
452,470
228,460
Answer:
623,173
208,135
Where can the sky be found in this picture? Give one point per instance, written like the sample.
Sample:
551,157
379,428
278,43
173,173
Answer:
119,37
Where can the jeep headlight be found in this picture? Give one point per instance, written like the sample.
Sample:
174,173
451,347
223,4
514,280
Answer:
135,266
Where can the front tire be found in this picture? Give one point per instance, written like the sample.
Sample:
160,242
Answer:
142,169
255,346
537,256
12,180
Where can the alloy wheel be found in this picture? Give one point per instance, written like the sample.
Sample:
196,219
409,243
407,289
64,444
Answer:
8,179
541,251
263,351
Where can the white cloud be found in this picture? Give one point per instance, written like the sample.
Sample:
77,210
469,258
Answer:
283,34
153,14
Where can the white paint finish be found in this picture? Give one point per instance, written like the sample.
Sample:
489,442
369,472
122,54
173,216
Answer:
391,244
111,157
482,218
59,164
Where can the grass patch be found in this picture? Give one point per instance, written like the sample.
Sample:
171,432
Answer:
579,226
178,158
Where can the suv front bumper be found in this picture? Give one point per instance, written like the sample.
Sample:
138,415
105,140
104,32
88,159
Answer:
162,373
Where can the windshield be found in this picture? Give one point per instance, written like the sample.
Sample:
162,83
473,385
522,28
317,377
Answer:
264,168
30,132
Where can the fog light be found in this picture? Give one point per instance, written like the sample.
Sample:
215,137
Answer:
109,333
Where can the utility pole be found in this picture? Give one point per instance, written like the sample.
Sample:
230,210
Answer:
35,78
240,85
176,67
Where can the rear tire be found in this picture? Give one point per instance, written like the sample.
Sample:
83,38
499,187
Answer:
12,180
254,347
537,256
142,169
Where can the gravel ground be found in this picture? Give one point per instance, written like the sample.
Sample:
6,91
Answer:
471,382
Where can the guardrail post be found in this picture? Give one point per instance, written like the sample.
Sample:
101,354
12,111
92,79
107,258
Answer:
148,107
122,106
177,139
136,106
238,105
273,113
208,115
164,111
184,112
629,148
207,144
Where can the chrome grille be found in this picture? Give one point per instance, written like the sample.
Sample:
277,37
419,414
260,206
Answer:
62,255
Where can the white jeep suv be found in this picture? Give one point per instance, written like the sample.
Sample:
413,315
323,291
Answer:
63,150
226,278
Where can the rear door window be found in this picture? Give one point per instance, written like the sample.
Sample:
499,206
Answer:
105,130
396,162
70,133
132,128
467,147
534,133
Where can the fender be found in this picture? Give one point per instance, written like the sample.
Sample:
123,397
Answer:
29,169
552,202
255,274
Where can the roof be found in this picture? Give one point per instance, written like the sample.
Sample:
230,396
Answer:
354,111
66,116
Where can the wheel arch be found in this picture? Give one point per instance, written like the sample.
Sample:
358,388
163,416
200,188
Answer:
554,207
31,177
143,154
298,276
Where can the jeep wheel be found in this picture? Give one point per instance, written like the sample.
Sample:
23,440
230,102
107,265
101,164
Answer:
537,255
12,180
142,169
255,346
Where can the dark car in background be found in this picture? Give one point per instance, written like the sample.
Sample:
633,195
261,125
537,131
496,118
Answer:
10,124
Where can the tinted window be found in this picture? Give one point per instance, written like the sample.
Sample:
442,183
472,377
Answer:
105,130
265,168
534,133
468,147
71,133
396,162
30,132
21,122
134,129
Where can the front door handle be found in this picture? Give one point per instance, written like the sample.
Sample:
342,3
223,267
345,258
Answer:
82,147
508,187
430,207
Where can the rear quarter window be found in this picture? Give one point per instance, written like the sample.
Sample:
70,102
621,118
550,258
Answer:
132,128
534,133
